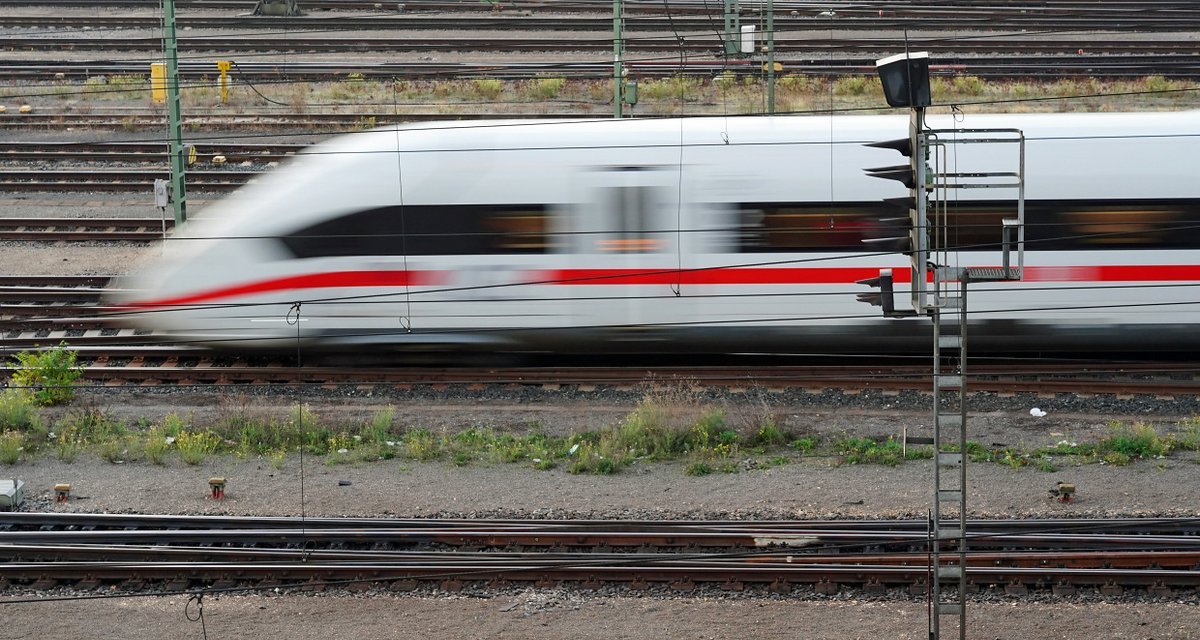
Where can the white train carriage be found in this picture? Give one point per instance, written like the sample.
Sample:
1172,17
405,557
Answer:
677,235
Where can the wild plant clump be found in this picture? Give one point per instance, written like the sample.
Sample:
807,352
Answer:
47,374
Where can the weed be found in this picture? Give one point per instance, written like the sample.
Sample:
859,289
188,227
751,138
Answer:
487,88
698,468
421,445
853,86
867,451
195,446
545,88
1158,83
1116,458
674,88
544,464
807,444
68,443
18,411
276,458
49,374
382,427
968,85
157,445
770,435
12,445
114,449
1189,438
1137,441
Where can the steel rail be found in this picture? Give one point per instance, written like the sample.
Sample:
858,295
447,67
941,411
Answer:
1096,51
234,152
455,574
993,66
45,521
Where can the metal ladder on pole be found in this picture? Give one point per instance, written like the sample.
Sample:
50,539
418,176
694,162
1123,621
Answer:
948,310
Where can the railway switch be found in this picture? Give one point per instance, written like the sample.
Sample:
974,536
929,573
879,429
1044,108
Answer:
62,492
217,485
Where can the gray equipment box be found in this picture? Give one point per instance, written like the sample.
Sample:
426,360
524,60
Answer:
12,494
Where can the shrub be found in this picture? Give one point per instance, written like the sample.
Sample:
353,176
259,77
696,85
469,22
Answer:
487,88
698,468
853,86
865,450
17,410
807,444
770,435
195,446
673,88
12,445
546,88
157,445
49,374
1137,441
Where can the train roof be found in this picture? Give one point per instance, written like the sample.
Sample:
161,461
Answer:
485,135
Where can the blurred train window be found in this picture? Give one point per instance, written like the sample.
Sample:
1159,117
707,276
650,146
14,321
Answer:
632,210
1050,225
764,227
422,230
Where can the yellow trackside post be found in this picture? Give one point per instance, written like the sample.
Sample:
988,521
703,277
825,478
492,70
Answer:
158,82
224,66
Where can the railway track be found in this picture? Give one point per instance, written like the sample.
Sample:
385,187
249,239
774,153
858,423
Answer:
38,311
135,553
682,15
126,179
156,152
848,52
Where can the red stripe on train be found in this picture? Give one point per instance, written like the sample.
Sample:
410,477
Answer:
721,276
331,280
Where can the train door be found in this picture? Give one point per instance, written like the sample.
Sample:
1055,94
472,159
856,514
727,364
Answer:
627,252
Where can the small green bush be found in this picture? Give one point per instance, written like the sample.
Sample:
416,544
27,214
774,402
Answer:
698,468
12,445
487,88
195,446
807,444
17,411
157,445
546,88
48,374
1137,441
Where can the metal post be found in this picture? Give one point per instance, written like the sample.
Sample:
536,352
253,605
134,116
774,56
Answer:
733,28
618,75
771,56
174,116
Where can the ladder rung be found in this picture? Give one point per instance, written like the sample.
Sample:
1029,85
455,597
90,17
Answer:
950,572
949,382
951,608
950,419
949,342
949,459
950,495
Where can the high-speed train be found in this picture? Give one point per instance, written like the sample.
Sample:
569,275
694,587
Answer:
693,235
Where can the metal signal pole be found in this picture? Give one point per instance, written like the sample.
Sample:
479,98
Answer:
174,116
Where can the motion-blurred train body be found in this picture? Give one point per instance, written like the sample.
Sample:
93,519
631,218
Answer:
694,235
